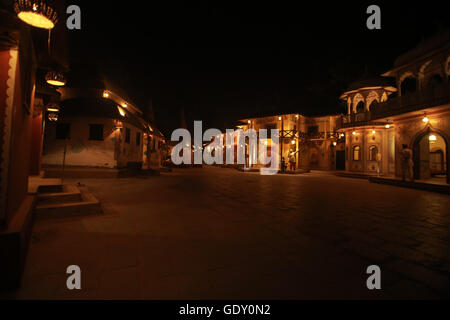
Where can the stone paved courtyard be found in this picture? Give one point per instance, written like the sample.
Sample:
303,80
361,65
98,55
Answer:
217,233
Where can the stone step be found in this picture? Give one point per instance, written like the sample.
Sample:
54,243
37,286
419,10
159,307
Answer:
69,193
87,205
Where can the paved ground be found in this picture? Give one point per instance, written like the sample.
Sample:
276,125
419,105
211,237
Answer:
219,233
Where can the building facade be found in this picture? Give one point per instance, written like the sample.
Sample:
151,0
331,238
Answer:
408,106
98,128
313,142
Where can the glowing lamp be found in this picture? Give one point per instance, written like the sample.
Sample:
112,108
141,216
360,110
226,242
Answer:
425,119
432,138
342,135
52,107
36,13
279,118
373,132
55,78
387,126
121,111
105,94
335,143
125,105
53,117
249,121
293,142
354,133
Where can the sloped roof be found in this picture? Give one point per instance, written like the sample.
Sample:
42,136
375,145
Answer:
98,107
426,46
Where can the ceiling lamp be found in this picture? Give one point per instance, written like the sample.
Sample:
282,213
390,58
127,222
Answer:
36,13
52,107
55,78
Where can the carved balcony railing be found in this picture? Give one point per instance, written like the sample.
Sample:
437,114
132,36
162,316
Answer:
428,97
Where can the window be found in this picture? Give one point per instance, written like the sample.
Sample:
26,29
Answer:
356,153
63,131
127,135
313,130
373,151
96,132
138,138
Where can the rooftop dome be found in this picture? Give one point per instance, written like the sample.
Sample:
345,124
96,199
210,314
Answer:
372,82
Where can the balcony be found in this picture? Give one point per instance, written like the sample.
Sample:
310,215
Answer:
428,97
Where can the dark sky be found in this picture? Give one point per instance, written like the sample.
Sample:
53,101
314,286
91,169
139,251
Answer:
226,60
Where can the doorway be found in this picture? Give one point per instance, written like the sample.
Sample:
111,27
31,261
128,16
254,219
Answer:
431,158
340,160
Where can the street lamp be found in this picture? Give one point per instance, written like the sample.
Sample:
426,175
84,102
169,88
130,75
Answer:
36,13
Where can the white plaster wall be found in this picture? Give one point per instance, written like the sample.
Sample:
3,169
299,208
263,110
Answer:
80,150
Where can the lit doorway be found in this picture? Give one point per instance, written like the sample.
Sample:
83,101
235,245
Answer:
431,158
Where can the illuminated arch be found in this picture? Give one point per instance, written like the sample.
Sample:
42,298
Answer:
421,74
356,100
371,97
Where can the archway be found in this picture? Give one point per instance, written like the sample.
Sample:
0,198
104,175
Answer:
360,107
408,85
431,150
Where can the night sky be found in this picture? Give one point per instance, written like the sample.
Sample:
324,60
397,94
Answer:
226,60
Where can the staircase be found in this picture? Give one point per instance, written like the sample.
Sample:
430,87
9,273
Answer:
62,201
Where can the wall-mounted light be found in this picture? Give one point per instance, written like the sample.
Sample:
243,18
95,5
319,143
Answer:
118,124
293,142
432,138
342,135
249,121
425,119
105,94
387,126
296,116
373,131
55,78
354,133
334,143
279,118
36,13
125,105
121,111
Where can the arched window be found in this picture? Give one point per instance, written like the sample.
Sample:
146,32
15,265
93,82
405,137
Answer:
373,105
356,153
373,151
360,107
434,81
408,85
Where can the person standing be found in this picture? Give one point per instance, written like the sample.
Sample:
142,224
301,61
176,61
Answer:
378,158
292,161
407,163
